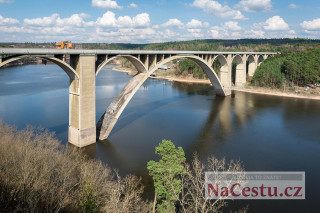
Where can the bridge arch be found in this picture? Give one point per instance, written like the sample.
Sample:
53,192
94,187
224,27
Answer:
224,74
113,112
135,61
66,67
202,63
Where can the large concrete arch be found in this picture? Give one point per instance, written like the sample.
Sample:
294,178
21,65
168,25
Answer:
113,112
204,65
66,67
251,65
224,74
135,61
240,77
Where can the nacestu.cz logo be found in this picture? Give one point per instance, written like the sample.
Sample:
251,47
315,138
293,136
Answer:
255,185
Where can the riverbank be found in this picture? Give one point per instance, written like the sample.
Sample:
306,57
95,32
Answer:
275,92
302,93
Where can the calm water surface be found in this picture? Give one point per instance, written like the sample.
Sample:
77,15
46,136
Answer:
267,133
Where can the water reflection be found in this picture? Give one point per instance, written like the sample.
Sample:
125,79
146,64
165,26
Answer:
266,133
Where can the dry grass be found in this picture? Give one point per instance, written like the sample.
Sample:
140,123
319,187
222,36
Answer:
37,174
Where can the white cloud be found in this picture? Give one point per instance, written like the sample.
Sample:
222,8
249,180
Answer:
276,23
293,6
6,1
196,24
106,4
54,19
14,29
256,34
194,30
219,32
133,5
74,20
172,23
311,25
8,21
109,20
254,5
45,21
215,33
232,25
218,10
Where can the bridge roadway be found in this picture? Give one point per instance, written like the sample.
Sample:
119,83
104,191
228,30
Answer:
85,65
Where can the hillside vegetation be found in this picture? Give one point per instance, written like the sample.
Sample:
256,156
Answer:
300,68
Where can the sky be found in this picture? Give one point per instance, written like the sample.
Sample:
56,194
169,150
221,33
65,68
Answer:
150,21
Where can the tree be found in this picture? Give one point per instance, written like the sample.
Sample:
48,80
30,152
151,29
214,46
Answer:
192,198
166,175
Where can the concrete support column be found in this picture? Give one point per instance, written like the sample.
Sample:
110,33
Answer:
252,66
225,72
0,58
152,60
240,71
145,61
82,109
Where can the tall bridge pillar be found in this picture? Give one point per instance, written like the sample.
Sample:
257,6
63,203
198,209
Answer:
225,71
82,109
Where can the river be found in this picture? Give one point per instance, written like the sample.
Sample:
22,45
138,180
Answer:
266,133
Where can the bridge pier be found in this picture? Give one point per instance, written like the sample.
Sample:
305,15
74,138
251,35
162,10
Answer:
82,109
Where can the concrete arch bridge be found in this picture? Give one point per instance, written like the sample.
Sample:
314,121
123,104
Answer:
85,65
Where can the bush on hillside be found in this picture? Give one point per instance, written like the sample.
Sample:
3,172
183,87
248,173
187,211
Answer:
40,175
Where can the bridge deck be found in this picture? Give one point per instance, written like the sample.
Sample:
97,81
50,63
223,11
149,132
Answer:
38,51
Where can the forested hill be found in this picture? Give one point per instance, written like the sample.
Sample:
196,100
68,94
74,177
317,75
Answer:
201,45
235,45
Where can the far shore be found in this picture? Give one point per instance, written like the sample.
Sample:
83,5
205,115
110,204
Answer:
264,91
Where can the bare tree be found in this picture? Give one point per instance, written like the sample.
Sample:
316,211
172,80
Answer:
192,198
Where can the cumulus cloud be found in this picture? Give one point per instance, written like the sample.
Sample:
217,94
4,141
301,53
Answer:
109,20
218,10
8,21
196,24
44,21
311,25
232,25
133,5
293,6
106,4
172,23
275,23
229,29
254,5
54,19
257,34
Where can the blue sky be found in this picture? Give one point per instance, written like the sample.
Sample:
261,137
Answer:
146,21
